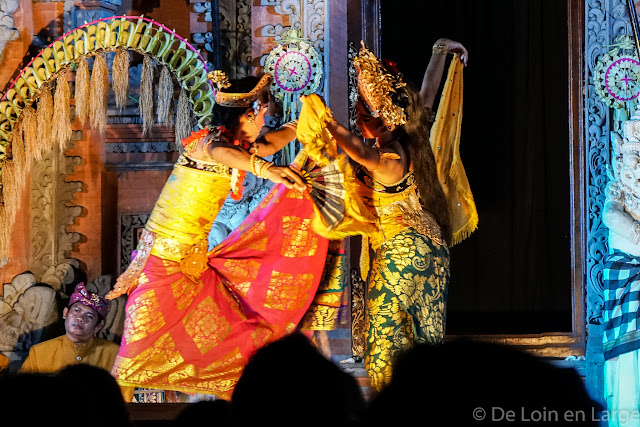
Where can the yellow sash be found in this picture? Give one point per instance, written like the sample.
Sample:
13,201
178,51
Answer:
445,142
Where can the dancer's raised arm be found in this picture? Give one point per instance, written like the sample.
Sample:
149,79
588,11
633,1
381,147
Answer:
435,68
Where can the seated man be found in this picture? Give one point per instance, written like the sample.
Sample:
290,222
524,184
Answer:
84,317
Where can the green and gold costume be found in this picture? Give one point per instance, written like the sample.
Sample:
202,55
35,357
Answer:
407,286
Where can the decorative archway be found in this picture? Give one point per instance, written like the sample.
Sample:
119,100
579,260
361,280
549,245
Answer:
33,120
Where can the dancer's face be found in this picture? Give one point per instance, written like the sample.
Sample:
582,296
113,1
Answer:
371,127
252,121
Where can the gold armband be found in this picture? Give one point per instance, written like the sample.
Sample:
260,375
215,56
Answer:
440,49
293,125
259,166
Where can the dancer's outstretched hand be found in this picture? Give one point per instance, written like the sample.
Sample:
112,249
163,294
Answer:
456,47
291,178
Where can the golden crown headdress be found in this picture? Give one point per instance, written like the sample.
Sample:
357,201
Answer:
376,86
231,99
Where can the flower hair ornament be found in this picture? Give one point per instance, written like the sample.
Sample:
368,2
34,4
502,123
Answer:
376,86
230,99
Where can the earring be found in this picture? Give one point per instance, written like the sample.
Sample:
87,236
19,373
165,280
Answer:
251,119
391,127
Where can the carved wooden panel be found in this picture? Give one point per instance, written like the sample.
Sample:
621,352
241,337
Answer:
131,225
353,89
605,20
306,16
235,35
52,211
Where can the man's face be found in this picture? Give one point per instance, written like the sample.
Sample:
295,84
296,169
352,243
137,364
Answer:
81,322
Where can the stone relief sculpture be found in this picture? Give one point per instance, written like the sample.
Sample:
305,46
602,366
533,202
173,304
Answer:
621,273
306,16
7,31
52,211
27,311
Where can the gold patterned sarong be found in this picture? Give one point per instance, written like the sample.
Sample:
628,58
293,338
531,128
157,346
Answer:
406,297
407,283
194,318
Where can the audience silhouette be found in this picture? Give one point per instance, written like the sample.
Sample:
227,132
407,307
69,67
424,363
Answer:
103,394
289,382
33,399
463,382
205,412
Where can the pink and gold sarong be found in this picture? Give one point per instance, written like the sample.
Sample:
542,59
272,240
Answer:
194,318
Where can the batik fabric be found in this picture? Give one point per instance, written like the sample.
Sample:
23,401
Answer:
408,278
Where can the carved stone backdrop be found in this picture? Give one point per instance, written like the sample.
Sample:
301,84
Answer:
309,17
353,89
604,21
52,210
306,16
235,35
7,31
130,227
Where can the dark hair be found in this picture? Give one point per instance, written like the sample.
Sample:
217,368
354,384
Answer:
230,116
414,138
496,376
106,395
284,381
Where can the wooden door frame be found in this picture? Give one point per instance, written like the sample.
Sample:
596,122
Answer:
364,19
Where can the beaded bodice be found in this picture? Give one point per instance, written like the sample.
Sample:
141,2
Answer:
396,207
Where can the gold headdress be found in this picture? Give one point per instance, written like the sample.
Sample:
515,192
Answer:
376,85
229,99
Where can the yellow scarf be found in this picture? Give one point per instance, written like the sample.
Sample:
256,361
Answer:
445,142
319,146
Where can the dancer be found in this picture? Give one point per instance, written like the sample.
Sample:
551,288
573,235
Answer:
193,316
397,179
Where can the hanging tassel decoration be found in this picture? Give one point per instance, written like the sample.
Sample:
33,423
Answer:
82,91
44,113
5,234
146,94
120,76
165,95
61,126
15,175
18,152
30,134
10,193
99,93
10,198
184,121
